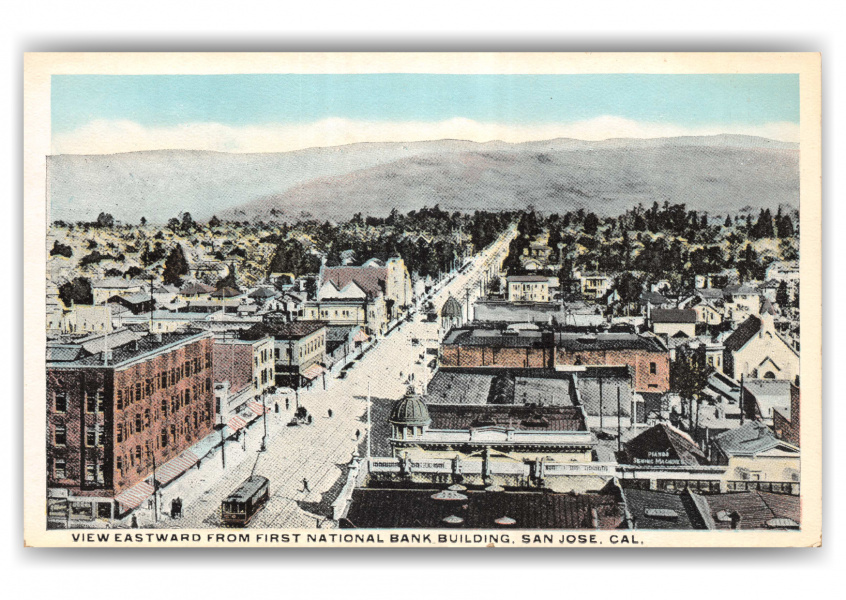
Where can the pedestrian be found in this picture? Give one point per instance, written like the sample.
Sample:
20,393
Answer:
134,523
330,413
276,407
287,403
357,434
305,485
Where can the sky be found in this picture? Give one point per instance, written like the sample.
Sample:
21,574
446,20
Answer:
93,114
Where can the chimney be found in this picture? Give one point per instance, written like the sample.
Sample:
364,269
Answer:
735,520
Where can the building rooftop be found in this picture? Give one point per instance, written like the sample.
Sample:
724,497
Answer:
652,509
521,418
284,330
749,439
673,315
415,508
757,510
123,346
527,279
663,444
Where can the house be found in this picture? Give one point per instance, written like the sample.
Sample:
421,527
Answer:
594,285
527,288
194,291
663,445
87,319
136,302
756,459
573,314
104,289
671,321
755,349
741,302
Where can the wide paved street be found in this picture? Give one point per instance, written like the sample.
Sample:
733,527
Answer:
316,453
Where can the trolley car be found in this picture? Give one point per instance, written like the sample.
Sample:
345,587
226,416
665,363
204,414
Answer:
241,505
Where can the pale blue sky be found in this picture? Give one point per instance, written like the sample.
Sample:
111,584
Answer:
242,100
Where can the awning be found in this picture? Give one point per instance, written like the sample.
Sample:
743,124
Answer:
235,423
313,372
360,337
176,467
257,408
134,496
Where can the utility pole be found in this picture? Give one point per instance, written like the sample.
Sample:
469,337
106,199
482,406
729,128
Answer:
619,422
369,425
264,418
155,491
223,447
601,420
151,304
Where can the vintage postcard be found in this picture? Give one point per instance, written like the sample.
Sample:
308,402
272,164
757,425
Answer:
508,300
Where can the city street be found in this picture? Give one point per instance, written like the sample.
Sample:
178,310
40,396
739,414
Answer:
305,463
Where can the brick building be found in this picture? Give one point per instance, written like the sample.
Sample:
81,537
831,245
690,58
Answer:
247,365
119,406
532,346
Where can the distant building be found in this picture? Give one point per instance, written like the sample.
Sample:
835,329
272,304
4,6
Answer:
594,285
118,406
787,425
530,346
348,306
759,510
755,349
671,321
452,314
106,288
528,288
247,365
375,278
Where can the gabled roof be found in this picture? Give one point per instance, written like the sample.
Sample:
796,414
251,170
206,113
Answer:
741,336
653,298
195,288
263,292
652,509
673,315
225,292
664,444
369,279
751,438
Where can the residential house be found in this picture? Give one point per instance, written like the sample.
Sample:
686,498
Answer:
104,289
528,288
671,321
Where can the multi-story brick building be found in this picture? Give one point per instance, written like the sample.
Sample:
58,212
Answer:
118,406
533,346
248,367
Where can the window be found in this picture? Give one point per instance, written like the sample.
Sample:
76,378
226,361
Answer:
90,402
90,437
60,435
119,434
60,469
164,408
137,392
139,425
146,417
119,401
119,466
138,454
164,438
90,472
60,402
653,368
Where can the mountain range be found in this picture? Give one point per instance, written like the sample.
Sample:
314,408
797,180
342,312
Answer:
717,174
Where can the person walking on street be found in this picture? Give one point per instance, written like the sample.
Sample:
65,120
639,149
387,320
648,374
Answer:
330,413
357,433
305,485
134,523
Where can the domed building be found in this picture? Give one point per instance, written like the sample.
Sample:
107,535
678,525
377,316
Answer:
409,417
452,314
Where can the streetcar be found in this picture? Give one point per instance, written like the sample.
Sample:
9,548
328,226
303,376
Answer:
241,505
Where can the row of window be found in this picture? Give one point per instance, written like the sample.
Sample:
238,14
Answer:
162,380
